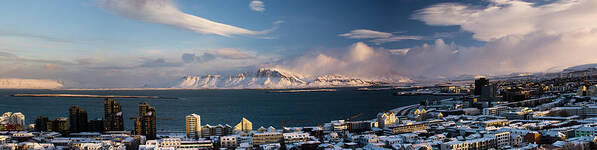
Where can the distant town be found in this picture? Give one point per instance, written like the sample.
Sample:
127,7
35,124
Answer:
516,113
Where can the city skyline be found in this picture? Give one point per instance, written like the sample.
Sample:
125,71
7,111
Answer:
134,43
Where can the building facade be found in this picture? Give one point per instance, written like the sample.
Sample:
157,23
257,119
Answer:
145,123
113,119
193,126
244,126
77,118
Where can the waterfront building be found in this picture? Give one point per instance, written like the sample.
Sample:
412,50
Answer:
145,123
193,126
386,119
58,125
335,126
77,119
18,119
12,121
96,125
41,123
218,130
113,117
244,126
360,126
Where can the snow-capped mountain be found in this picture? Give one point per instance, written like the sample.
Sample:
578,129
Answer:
340,80
270,78
15,83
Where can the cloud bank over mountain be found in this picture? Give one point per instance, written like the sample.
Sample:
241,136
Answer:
358,60
519,37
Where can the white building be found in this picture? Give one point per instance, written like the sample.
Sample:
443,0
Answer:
386,119
502,139
229,141
13,119
295,137
480,143
495,111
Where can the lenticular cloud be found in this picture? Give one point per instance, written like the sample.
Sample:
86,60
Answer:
166,12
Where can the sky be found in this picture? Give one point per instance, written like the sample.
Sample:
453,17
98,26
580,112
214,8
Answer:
152,43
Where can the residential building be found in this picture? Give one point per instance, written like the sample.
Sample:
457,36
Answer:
145,123
113,117
244,126
229,141
193,126
474,144
295,137
386,119
267,138
77,119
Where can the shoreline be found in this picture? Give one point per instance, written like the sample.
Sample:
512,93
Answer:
87,96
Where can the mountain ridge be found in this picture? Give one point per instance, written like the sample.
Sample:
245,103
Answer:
271,78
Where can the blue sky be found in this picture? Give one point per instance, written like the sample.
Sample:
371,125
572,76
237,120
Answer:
101,43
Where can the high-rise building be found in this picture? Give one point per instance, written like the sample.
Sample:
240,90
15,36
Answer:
41,123
244,126
96,125
485,90
488,92
145,123
58,125
113,120
78,119
479,83
193,126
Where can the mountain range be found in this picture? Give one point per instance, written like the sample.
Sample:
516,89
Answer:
271,78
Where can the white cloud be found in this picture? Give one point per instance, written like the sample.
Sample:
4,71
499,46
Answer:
503,18
377,37
365,34
396,39
166,12
400,52
520,37
232,53
257,5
